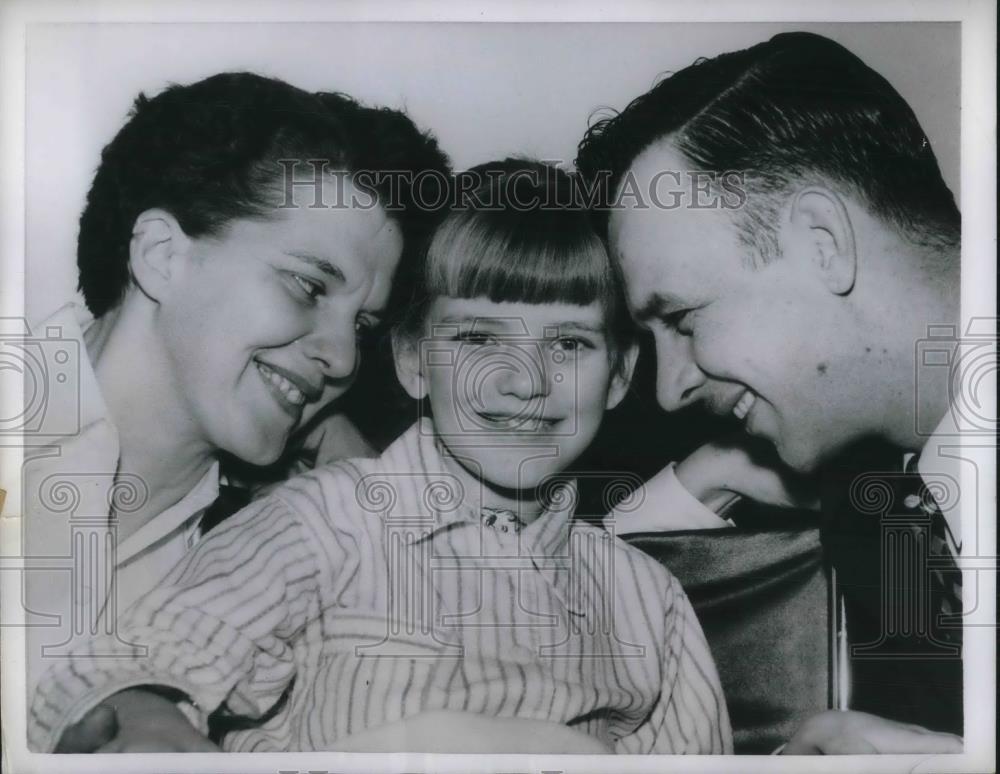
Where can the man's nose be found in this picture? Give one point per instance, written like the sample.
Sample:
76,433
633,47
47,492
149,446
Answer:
678,376
523,373
334,345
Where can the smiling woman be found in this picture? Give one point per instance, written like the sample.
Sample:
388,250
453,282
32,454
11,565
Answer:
266,337
225,320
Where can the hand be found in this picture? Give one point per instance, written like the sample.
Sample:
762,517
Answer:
134,721
719,472
856,733
96,729
443,731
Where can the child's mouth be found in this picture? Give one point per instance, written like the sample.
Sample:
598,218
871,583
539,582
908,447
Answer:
524,423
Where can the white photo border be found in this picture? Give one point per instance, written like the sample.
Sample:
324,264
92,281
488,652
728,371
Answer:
978,197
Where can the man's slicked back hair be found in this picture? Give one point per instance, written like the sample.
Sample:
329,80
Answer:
796,110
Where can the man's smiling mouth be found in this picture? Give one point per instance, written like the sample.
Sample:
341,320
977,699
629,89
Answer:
744,404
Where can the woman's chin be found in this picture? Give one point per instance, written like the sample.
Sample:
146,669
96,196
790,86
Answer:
261,453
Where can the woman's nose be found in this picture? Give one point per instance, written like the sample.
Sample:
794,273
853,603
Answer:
335,348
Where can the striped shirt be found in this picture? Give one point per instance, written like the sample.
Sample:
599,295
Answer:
370,591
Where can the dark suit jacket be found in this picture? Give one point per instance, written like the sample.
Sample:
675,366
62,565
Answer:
900,670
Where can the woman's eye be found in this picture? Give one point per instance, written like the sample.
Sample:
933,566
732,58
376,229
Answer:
363,327
312,290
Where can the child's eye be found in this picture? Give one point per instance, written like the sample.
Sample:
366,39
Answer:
476,338
309,288
570,344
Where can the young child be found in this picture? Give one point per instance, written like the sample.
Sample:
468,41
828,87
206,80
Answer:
447,574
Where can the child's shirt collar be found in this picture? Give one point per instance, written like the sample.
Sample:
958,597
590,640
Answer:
452,506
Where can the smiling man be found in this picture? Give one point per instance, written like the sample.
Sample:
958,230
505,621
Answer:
795,307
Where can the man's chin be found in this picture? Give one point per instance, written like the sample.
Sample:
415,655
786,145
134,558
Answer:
803,461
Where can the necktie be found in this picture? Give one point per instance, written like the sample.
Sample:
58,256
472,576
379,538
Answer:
230,500
944,577
501,520
884,536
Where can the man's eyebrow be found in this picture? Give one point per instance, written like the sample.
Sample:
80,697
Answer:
319,263
655,306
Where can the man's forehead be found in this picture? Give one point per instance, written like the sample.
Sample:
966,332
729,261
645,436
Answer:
661,162
676,234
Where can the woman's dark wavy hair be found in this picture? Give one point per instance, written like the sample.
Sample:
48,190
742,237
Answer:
208,153
797,108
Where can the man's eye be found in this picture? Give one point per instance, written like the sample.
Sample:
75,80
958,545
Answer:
310,289
679,321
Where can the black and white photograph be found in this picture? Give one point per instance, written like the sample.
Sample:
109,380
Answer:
498,387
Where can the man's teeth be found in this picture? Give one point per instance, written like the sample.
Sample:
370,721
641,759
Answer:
744,404
291,393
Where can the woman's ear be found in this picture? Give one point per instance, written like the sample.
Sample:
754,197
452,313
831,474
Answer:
819,229
157,242
621,377
409,370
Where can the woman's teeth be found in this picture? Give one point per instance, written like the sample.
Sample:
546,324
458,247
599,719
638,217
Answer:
744,404
289,391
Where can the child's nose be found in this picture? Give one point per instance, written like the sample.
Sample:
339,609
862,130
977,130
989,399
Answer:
525,376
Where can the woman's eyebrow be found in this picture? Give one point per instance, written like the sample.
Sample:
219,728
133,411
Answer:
318,263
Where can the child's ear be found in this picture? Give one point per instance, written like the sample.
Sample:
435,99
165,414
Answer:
157,242
622,376
409,371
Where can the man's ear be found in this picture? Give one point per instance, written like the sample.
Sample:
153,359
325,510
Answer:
157,241
409,371
819,228
622,376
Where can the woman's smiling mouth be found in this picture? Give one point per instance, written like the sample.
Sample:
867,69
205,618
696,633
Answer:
288,395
